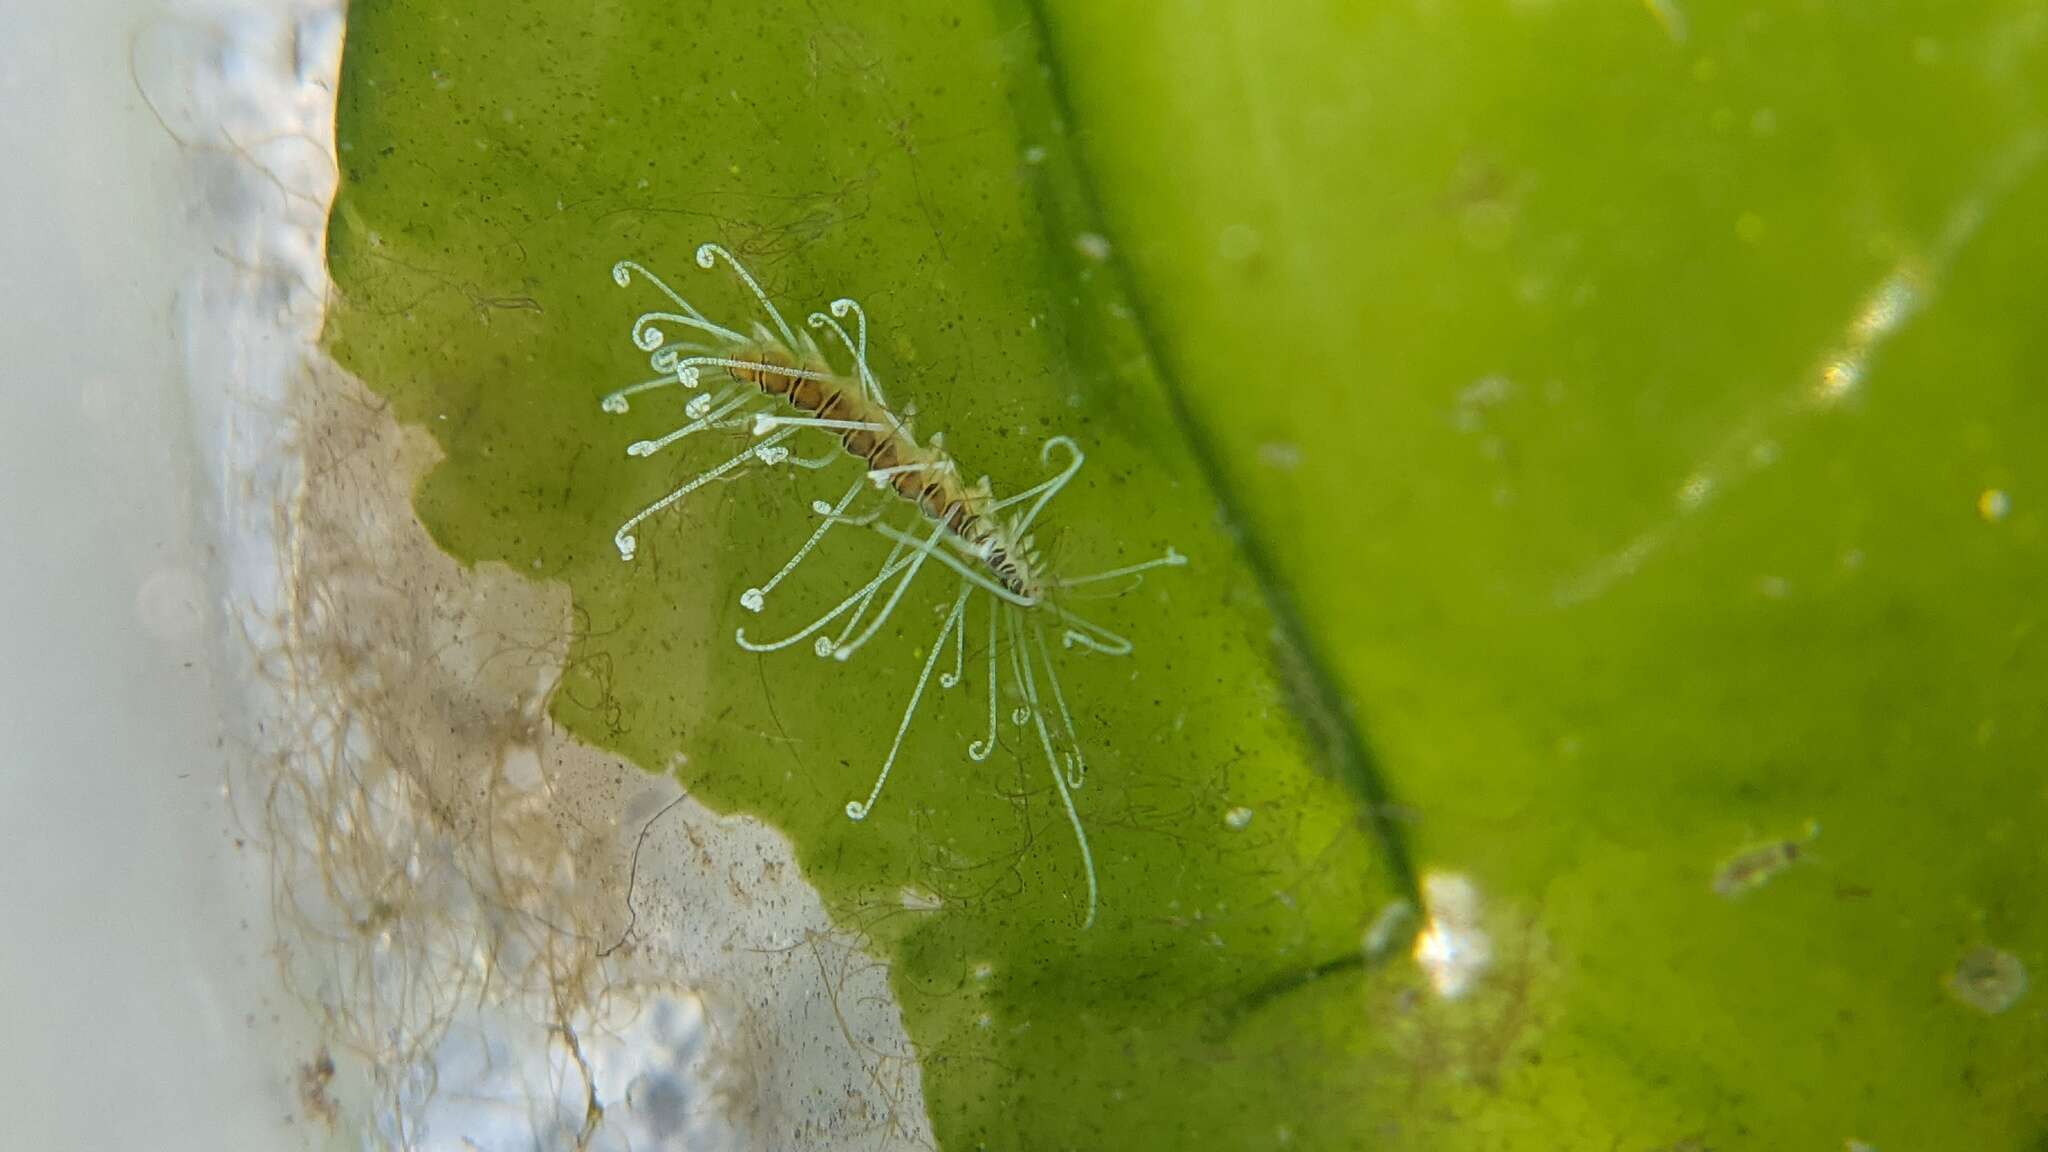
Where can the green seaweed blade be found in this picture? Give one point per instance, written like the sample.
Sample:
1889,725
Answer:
1644,403
1476,355
497,164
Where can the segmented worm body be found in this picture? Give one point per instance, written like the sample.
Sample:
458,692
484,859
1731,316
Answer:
984,540
923,475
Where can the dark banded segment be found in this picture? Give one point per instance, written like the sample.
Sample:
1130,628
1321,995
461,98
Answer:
934,489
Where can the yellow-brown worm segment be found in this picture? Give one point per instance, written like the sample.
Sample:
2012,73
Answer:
922,475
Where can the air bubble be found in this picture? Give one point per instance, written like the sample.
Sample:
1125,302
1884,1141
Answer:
1839,379
1994,504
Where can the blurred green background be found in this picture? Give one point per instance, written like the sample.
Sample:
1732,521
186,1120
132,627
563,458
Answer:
1608,441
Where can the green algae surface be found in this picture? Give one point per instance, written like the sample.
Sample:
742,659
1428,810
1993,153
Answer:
1608,447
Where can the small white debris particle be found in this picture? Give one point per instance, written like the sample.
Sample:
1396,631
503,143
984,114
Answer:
1754,867
1385,930
1283,456
916,899
1988,979
1452,949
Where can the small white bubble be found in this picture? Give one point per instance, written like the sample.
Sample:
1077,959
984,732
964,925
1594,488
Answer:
1093,245
1839,379
1035,154
1993,504
1696,491
1453,949
1238,818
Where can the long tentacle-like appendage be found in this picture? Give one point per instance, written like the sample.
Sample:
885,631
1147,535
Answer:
1052,762
859,809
